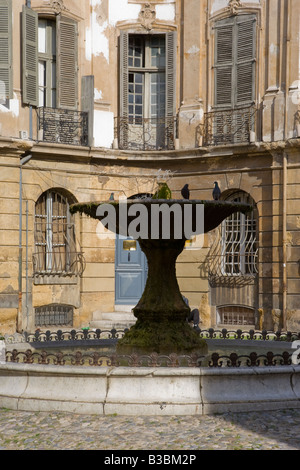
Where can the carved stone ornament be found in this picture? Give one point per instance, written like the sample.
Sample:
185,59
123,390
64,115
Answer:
57,5
147,16
234,5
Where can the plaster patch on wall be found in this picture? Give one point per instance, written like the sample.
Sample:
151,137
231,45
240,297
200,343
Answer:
274,49
193,50
11,106
165,12
219,4
96,41
120,10
98,95
103,129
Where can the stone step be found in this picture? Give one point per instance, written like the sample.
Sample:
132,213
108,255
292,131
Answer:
109,320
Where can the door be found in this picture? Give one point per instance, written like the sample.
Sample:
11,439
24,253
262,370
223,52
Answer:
131,271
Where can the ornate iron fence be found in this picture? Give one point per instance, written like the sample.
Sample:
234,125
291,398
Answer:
63,126
79,358
229,126
91,335
146,133
263,335
86,337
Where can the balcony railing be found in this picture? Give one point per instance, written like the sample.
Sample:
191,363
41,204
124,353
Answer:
63,126
146,133
233,126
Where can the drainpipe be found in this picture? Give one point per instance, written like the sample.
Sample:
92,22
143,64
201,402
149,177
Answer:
27,265
284,172
284,241
23,160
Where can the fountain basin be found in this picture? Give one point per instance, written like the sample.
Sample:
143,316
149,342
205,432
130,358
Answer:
149,390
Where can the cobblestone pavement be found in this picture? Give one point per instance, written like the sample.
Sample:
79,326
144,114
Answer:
268,430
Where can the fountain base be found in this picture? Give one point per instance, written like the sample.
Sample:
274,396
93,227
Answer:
161,337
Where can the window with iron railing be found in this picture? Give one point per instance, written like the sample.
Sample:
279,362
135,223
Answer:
54,315
232,119
233,256
56,248
147,91
235,315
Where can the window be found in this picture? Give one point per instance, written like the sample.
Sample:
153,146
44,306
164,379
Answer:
147,89
54,315
235,315
6,86
146,77
55,242
239,249
49,61
235,61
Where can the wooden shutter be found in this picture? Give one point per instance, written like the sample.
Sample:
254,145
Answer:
30,56
123,90
171,43
245,59
235,52
67,63
224,63
6,85
124,44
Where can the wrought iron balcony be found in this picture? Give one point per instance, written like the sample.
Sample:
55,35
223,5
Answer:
139,133
229,126
63,126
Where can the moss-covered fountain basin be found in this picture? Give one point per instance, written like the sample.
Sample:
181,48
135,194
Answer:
161,312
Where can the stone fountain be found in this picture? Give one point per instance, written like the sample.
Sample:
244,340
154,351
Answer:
161,313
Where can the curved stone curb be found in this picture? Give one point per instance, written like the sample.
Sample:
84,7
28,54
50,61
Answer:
148,391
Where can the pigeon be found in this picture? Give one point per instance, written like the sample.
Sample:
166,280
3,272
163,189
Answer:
111,197
185,192
216,192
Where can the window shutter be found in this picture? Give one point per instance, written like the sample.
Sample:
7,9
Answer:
171,42
6,85
123,106
30,56
124,44
67,63
246,45
224,64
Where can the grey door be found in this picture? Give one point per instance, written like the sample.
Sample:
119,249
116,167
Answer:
131,271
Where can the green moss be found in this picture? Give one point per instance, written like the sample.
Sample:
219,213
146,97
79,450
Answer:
161,337
163,192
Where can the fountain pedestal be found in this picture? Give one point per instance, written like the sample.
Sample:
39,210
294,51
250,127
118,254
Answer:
161,312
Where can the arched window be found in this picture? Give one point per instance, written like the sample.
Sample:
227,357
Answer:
239,244
233,256
55,241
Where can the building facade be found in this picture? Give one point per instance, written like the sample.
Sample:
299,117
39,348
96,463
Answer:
114,96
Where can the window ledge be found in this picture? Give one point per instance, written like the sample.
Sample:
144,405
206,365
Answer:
50,279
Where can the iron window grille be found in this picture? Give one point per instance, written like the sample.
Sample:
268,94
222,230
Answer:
236,315
233,256
54,314
56,248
